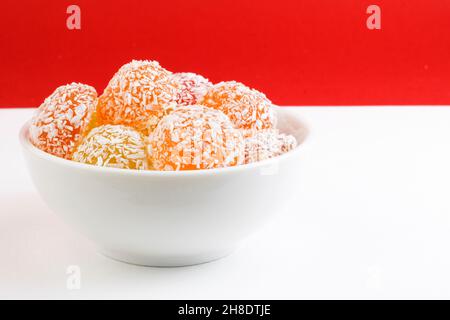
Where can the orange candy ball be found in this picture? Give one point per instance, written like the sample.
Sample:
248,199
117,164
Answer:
195,137
247,108
114,146
193,87
60,121
138,95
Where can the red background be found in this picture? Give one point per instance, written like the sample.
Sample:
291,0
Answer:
302,52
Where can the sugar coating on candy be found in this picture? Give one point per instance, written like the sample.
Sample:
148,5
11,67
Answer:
267,144
138,95
62,118
114,146
193,87
247,108
195,137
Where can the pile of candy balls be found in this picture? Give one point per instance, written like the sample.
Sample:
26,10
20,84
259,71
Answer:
149,118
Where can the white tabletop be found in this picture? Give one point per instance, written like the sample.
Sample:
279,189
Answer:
372,221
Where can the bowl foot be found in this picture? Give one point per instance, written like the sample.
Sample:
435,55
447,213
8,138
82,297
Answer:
165,260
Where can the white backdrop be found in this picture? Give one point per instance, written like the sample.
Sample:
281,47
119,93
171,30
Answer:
372,220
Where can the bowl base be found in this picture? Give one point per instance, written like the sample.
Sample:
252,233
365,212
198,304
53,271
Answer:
165,260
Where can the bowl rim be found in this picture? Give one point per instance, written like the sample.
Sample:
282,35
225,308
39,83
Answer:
29,147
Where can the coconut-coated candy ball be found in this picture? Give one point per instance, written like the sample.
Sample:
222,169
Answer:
138,95
115,146
195,137
193,87
247,108
267,144
62,118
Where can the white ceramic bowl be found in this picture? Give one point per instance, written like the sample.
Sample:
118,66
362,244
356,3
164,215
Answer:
167,218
